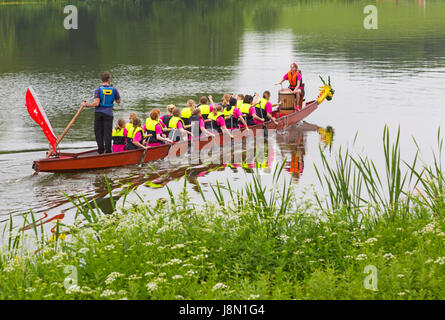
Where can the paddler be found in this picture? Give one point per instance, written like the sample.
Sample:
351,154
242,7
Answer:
239,100
296,85
138,138
197,120
129,125
205,107
218,121
153,130
104,98
177,126
119,136
166,118
233,115
186,113
248,110
264,108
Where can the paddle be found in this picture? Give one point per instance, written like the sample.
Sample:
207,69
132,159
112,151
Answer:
66,129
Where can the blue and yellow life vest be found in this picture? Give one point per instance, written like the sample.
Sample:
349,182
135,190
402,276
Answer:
106,96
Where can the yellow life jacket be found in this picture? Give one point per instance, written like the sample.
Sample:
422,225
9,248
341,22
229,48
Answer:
215,117
174,122
118,136
260,108
186,113
228,113
205,109
150,128
214,123
239,103
245,108
130,131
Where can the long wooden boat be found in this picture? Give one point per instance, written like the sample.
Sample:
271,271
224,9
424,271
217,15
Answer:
88,160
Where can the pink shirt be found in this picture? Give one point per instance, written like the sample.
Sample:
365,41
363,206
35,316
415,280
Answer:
251,112
221,122
236,113
268,109
138,136
179,125
201,123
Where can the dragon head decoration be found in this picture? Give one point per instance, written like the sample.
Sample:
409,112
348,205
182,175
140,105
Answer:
326,91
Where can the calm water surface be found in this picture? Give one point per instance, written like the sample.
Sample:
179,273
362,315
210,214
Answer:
162,52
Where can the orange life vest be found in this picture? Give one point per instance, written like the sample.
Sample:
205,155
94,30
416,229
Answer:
293,79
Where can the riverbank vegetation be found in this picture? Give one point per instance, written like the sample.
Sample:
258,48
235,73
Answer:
258,242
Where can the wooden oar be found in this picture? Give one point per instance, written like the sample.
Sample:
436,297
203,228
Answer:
66,130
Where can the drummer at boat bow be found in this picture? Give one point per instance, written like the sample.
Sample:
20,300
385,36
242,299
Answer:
104,98
296,85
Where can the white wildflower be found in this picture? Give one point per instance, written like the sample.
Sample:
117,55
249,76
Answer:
440,260
152,286
73,289
361,257
84,250
400,276
108,293
388,256
218,286
254,296
176,277
371,240
109,247
113,276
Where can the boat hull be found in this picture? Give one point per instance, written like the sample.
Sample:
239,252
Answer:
68,162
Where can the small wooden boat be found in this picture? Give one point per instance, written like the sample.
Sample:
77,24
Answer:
88,160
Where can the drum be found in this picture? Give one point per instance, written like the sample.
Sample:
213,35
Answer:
287,100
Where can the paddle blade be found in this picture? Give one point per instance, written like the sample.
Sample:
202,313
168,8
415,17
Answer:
39,116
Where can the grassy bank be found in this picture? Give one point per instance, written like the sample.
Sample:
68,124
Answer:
257,243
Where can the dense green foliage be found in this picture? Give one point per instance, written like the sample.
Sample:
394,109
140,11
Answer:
254,243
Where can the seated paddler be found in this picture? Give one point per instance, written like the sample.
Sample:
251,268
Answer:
153,130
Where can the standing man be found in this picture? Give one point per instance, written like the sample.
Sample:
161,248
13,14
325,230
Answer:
104,98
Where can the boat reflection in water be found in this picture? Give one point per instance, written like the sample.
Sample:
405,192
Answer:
294,144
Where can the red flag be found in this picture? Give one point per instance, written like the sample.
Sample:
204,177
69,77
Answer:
38,115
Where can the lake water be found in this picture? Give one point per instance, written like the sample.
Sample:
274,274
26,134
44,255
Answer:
162,52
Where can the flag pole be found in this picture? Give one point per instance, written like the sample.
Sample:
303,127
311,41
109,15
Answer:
49,154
